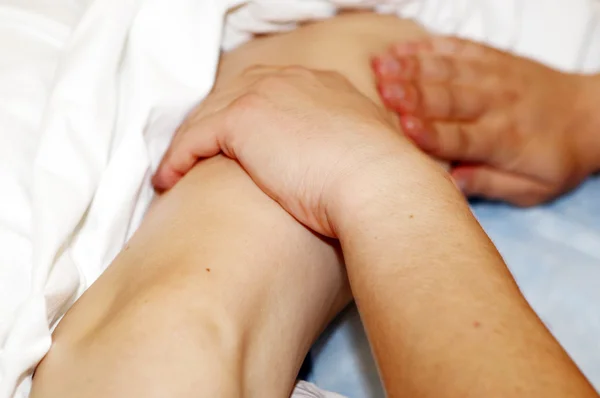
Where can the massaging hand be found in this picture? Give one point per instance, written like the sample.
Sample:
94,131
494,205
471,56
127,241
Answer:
519,131
305,138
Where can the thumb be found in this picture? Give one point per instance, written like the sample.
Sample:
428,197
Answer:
201,140
462,142
490,183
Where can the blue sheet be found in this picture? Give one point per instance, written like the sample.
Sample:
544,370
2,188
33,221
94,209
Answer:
554,253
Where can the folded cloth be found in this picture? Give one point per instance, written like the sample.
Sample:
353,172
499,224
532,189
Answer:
32,33
556,32
120,88
309,390
117,78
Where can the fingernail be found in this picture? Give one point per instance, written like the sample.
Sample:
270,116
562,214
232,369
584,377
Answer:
392,92
415,129
157,184
411,125
460,183
387,66
164,179
401,97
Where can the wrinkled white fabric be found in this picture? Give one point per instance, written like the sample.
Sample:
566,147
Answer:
32,32
309,390
113,78
556,32
121,86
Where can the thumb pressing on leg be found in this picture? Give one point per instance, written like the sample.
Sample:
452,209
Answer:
200,140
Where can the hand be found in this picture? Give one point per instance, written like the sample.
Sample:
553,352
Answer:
302,135
517,130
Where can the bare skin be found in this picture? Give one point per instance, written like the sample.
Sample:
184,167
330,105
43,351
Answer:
441,310
517,130
363,35
220,293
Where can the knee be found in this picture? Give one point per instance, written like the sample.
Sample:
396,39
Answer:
156,324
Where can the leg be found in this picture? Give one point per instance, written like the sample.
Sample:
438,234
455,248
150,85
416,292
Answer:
220,290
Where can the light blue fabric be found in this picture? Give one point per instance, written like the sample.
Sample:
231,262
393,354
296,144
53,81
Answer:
554,253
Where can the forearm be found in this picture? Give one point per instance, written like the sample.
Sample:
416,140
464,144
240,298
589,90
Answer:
444,316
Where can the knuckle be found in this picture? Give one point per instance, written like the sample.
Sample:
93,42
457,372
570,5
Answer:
472,105
412,67
429,68
312,76
430,100
446,68
493,81
257,69
296,73
471,70
274,82
333,75
448,45
336,79
509,95
250,101
293,74
248,104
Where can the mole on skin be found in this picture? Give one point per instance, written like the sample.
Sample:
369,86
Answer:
208,270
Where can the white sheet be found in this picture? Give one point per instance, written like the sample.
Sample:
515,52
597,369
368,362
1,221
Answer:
115,83
560,33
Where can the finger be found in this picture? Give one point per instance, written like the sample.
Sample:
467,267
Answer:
450,102
434,101
392,67
448,141
448,45
429,68
200,141
490,183
401,97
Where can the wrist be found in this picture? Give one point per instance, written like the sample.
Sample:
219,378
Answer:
407,181
588,131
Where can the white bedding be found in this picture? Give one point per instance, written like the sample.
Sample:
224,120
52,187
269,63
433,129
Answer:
112,79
